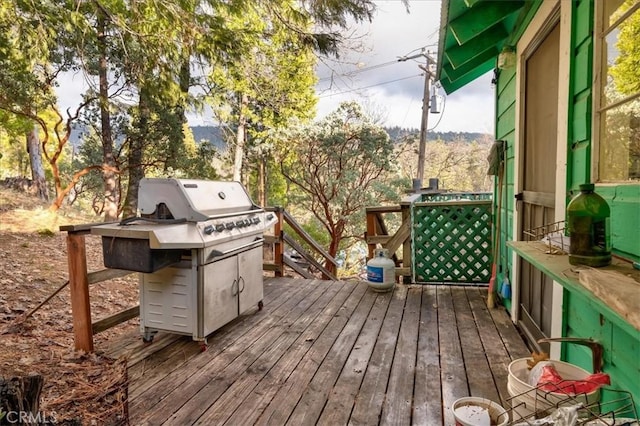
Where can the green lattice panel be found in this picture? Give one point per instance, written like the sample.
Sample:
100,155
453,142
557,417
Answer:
451,242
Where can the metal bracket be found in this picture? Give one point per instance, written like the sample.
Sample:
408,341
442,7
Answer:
596,348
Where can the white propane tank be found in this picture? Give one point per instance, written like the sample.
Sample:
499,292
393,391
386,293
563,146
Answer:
381,271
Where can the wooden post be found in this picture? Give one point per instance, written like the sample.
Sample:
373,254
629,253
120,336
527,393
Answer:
278,251
371,232
406,246
79,285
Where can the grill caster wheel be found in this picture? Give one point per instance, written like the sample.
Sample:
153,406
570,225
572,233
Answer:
148,335
260,305
203,346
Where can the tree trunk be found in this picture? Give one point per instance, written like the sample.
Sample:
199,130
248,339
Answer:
38,178
109,177
134,159
334,245
262,182
20,396
240,138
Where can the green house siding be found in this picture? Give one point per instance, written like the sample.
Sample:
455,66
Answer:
505,130
621,348
582,316
580,97
624,200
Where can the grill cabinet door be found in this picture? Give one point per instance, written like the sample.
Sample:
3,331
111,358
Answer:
219,301
250,278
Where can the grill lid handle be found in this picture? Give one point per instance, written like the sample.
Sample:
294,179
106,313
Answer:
217,253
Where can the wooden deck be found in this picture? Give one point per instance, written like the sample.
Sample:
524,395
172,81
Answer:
326,352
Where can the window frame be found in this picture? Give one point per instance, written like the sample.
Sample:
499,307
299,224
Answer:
600,31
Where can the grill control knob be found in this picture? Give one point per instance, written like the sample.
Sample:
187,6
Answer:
269,216
247,222
255,220
208,229
219,227
240,223
229,225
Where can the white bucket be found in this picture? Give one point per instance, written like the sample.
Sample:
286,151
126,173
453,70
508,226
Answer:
472,411
526,400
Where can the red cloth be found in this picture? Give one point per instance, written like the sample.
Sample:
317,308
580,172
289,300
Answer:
550,381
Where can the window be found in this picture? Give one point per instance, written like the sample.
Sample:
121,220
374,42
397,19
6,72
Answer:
618,105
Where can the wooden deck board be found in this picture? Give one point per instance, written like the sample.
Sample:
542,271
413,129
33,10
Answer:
219,373
493,344
452,371
224,407
329,353
342,397
427,396
234,341
254,403
285,401
479,375
313,400
368,404
398,402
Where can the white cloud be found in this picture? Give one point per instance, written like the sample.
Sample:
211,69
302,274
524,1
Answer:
397,86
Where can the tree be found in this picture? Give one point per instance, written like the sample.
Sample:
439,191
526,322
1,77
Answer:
620,125
34,42
273,81
340,164
25,89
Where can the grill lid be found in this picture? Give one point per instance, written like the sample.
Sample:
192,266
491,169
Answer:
193,200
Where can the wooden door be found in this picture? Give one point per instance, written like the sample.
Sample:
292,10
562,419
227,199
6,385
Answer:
537,199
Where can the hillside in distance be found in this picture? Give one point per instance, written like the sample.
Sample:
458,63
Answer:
215,136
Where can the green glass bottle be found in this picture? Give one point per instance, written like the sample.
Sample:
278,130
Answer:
589,228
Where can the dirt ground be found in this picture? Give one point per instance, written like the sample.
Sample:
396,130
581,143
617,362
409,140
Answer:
79,388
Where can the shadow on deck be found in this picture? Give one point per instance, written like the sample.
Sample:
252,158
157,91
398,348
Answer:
328,352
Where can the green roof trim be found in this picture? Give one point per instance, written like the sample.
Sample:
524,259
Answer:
472,35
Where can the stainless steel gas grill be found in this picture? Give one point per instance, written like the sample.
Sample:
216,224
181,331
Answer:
198,246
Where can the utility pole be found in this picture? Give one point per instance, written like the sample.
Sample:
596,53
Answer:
428,79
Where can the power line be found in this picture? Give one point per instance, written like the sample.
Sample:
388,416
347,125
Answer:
372,85
373,67
359,70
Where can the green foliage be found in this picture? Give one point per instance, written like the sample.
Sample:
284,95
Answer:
14,160
459,166
620,126
626,70
340,165
45,232
264,49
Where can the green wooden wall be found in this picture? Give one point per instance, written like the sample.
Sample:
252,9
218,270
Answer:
505,130
581,318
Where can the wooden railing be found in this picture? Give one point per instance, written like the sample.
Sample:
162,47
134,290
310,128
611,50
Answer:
282,260
377,234
79,281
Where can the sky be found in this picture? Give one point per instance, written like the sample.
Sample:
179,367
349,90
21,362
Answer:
394,89
372,75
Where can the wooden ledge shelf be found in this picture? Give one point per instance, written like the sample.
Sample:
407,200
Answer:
608,292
